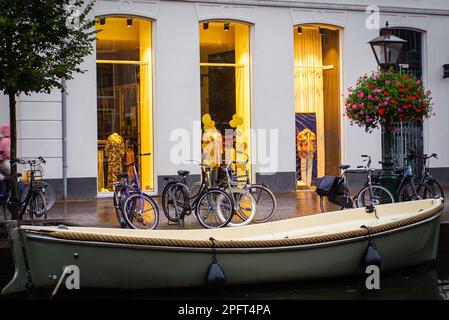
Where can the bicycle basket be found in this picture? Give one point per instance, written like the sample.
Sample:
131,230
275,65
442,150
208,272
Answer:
324,185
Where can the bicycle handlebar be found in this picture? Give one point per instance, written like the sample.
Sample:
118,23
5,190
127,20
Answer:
32,162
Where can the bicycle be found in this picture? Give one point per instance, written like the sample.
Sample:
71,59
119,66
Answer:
34,203
427,178
335,195
265,199
245,204
132,206
406,187
178,202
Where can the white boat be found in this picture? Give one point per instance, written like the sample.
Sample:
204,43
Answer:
316,246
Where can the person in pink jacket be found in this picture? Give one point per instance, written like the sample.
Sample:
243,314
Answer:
5,143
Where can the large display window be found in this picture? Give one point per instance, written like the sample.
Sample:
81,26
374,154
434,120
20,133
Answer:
225,91
317,102
124,99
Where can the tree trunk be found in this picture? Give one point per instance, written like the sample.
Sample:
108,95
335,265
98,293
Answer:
14,185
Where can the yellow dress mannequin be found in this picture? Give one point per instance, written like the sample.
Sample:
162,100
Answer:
114,151
306,144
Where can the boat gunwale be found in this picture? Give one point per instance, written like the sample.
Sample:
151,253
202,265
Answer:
46,236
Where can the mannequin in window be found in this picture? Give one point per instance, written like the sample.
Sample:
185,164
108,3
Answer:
306,145
114,151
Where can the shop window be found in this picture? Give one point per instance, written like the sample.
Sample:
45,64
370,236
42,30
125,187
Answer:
317,102
225,91
124,99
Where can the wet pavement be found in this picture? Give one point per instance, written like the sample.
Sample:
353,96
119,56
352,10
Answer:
100,212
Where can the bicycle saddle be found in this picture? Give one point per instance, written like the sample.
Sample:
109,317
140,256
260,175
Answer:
344,166
183,173
122,176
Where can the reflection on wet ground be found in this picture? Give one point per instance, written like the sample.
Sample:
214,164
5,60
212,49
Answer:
100,212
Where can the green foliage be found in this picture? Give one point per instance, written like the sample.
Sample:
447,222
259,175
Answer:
43,41
385,98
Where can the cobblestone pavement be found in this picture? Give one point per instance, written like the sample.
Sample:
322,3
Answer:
100,212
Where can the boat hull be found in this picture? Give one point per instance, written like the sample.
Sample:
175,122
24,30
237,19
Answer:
112,265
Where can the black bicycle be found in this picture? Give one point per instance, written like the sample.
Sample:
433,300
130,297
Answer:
335,194
213,207
32,202
427,179
133,207
407,188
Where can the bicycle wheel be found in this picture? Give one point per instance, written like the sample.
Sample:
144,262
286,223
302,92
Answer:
406,193
265,203
207,206
425,191
140,212
175,200
245,208
37,206
436,188
118,200
377,195
50,195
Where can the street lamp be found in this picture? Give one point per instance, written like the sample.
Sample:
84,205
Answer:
387,48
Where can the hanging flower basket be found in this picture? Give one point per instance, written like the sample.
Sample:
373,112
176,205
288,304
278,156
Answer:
387,97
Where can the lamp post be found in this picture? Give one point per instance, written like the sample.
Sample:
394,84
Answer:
386,49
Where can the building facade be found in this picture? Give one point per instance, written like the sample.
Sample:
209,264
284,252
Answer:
165,72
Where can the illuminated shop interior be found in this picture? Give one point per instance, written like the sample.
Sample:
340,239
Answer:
317,103
225,91
124,99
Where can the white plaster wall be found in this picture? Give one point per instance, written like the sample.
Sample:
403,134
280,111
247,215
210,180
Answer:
82,123
273,83
177,83
357,59
39,130
437,128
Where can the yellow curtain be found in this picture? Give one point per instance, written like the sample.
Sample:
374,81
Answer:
309,83
242,93
146,107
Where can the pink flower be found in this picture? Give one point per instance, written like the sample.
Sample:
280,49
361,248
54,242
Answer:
387,82
361,112
361,95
